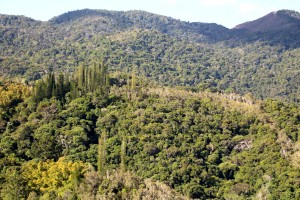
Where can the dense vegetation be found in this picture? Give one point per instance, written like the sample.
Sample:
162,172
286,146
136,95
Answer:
163,49
158,118
82,136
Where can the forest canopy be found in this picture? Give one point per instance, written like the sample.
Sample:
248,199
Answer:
99,104
94,135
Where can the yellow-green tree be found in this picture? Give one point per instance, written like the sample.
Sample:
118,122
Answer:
59,176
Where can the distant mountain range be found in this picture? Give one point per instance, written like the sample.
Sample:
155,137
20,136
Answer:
107,22
282,21
260,57
120,21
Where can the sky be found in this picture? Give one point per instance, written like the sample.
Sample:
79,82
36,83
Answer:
228,13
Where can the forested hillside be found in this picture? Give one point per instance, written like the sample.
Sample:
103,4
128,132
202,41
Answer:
98,104
279,27
89,135
169,51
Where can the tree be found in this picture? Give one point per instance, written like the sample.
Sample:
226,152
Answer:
50,86
49,176
81,78
102,152
60,87
44,145
123,154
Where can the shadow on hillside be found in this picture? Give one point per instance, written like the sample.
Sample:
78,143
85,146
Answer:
289,39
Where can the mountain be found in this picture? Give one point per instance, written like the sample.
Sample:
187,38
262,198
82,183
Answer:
168,51
282,20
280,27
108,22
101,104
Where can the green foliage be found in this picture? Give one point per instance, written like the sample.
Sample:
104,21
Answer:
14,185
102,153
139,135
287,117
49,176
203,145
168,51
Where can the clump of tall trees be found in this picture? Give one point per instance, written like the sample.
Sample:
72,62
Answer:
93,79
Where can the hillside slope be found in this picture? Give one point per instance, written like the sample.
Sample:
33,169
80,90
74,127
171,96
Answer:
169,51
279,27
278,20
108,22
90,144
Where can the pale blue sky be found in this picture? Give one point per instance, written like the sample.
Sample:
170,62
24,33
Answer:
225,12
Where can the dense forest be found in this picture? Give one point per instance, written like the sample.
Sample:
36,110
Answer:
101,104
90,135
168,51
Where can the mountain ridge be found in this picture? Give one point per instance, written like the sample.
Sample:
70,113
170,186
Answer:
141,106
274,21
278,22
197,31
160,48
